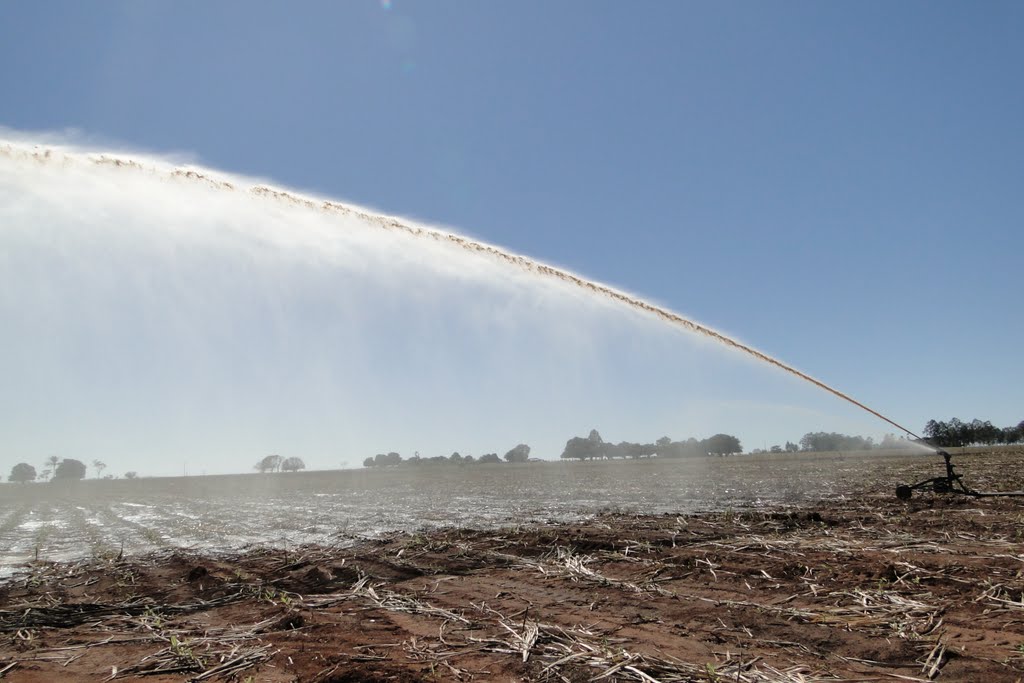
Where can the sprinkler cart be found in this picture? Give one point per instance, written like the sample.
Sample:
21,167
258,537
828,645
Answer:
951,483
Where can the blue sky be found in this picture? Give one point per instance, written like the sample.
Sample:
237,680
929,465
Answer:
836,183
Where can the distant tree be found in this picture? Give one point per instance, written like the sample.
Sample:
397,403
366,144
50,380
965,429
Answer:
131,475
775,449
50,466
270,463
22,472
578,448
468,459
985,432
369,462
680,449
722,444
614,450
455,457
1013,434
667,448
489,458
791,447
387,459
292,464
69,469
99,466
957,432
520,453
935,433
832,441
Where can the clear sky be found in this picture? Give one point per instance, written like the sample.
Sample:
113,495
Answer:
840,184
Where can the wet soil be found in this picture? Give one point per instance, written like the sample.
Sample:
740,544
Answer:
863,587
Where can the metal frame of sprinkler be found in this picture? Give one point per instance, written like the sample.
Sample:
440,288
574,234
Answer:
951,483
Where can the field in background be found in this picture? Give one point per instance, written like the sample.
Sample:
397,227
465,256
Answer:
99,518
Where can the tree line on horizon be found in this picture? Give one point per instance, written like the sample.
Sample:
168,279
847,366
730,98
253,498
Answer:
593,447
944,434
519,453
70,469
278,463
952,433
820,442
957,433
59,469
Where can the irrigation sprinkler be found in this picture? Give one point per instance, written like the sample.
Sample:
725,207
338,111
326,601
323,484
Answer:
951,483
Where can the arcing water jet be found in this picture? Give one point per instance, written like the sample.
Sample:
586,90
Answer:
59,157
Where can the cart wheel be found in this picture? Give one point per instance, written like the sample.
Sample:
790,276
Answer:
903,492
941,486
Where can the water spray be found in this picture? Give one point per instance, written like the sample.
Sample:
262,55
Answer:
62,157
52,155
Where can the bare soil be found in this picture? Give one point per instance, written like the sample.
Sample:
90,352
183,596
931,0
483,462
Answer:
859,588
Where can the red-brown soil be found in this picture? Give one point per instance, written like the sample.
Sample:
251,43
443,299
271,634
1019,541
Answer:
862,589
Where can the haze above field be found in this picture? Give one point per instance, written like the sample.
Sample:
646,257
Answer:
836,185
